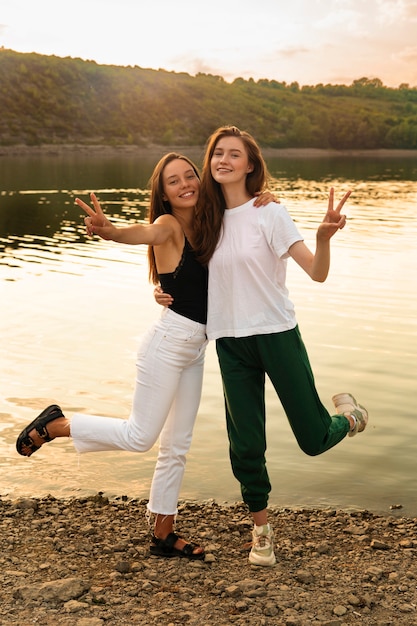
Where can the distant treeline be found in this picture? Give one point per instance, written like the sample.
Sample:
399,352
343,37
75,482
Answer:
52,100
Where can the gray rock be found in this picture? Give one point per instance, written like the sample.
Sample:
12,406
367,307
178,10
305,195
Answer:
53,591
51,548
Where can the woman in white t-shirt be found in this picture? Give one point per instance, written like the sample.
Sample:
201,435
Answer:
253,321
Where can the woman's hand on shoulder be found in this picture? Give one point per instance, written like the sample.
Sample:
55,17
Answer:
265,197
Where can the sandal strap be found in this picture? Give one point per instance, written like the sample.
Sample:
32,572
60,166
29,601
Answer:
42,432
189,548
170,540
50,414
28,443
166,544
40,425
166,547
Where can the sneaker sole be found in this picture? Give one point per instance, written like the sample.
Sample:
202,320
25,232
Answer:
341,399
262,561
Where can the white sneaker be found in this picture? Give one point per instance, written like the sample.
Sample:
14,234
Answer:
346,404
262,552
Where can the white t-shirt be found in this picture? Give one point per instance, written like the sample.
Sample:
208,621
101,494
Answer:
247,293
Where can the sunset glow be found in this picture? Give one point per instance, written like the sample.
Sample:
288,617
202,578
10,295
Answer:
308,41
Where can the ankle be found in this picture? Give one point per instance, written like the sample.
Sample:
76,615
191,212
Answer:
352,421
264,529
59,427
164,525
260,518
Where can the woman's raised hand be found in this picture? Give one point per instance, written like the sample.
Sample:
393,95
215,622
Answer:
333,220
96,222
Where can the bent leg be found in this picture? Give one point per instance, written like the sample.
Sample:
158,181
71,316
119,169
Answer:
155,388
288,366
167,348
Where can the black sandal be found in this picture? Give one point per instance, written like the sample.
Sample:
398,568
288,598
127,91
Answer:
48,415
165,547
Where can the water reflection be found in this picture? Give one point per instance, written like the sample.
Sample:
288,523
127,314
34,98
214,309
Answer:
73,307
359,168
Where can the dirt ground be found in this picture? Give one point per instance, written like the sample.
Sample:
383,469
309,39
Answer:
86,562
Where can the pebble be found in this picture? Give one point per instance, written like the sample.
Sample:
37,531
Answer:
86,562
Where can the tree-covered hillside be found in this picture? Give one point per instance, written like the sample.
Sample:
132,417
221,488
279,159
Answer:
47,99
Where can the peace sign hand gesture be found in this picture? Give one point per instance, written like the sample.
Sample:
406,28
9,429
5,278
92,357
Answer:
333,220
96,222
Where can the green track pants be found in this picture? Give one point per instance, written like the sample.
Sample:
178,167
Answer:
243,364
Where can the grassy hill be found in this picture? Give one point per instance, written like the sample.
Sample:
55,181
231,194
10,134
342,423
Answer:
48,99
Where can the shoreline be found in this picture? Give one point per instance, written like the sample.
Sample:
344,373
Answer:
395,511
154,150
86,562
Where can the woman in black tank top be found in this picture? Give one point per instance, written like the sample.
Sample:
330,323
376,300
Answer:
170,359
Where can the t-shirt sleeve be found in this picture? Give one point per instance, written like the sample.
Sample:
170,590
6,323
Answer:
279,228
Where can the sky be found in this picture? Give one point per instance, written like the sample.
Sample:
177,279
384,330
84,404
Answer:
304,41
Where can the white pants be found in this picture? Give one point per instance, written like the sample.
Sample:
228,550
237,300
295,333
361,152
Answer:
167,394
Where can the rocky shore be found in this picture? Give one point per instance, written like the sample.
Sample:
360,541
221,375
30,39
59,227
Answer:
86,562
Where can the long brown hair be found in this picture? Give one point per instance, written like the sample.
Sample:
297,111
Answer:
158,206
211,204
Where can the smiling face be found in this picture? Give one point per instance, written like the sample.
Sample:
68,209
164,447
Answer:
230,162
180,184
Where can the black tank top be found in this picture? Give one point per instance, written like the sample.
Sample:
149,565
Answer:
188,286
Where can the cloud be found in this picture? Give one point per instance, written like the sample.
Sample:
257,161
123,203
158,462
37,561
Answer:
394,11
307,41
290,52
196,65
411,10
343,21
408,54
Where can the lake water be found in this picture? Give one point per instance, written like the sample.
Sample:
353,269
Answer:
73,311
